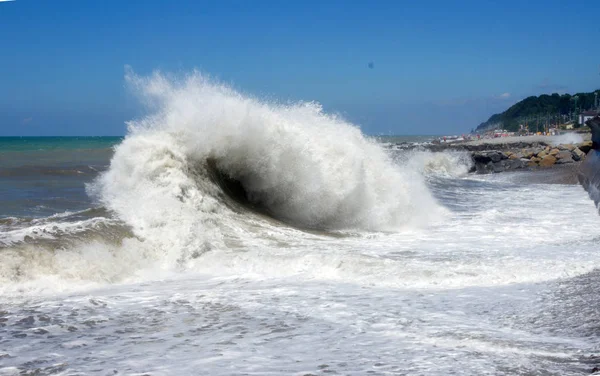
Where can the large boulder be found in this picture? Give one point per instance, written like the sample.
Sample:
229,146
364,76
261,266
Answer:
481,157
514,164
547,161
577,154
542,154
565,154
498,167
484,168
568,159
485,157
527,153
497,156
585,146
554,152
499,163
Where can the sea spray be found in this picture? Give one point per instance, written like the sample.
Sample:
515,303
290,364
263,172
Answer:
210,173
295,162
567,138
445,164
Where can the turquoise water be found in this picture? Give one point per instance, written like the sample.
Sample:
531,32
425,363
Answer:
41,176
8,144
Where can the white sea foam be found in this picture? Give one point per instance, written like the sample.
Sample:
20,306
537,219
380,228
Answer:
448,164
302,166
567,138
38,230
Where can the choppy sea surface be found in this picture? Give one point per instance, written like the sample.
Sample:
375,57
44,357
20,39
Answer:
228,236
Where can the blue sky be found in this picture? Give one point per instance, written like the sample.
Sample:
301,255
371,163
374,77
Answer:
439,67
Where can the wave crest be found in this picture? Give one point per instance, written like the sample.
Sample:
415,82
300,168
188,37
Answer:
294,162
446,164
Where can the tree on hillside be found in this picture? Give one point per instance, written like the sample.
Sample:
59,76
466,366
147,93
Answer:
542,110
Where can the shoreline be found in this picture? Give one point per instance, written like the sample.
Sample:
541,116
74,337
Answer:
549,140
522,153
566,174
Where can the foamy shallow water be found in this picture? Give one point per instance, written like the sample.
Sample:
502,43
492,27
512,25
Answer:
492,289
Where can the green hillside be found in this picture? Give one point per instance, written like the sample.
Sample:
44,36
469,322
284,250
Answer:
539,111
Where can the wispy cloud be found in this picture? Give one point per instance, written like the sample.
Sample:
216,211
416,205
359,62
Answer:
504,95
5,1
26,120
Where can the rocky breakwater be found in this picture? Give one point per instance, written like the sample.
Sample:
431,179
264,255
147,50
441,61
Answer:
527,156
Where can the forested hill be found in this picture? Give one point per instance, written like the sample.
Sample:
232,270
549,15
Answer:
540,110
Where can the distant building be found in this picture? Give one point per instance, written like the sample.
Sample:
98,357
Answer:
587,115
502,133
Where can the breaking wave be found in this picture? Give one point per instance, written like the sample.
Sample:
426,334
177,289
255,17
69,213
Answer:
446,164
205,144
212,169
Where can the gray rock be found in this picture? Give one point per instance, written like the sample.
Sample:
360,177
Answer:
527,153
484,168
565,154
488,155
577,154
565,160
515,164
481,158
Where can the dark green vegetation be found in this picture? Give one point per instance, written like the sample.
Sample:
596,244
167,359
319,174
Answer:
537,112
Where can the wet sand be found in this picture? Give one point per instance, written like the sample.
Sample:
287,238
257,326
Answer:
557,174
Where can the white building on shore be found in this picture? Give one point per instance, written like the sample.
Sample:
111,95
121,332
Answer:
587,115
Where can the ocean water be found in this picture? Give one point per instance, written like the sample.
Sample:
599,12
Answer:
225,235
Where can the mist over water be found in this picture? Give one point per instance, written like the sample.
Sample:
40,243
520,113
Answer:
231,235
568,138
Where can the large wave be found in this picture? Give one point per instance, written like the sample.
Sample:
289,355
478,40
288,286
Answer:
291,161
211,169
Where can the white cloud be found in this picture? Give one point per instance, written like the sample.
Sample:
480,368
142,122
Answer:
505,95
